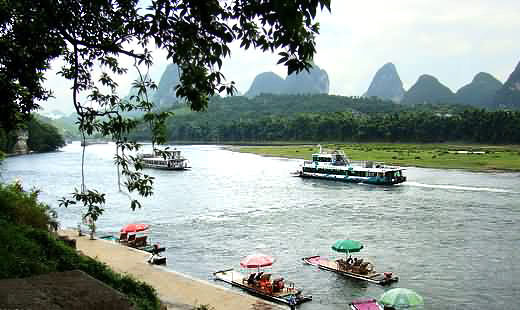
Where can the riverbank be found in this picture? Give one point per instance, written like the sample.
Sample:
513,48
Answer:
446,156
176,290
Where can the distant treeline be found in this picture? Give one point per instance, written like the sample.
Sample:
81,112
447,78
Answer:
334,118
471,126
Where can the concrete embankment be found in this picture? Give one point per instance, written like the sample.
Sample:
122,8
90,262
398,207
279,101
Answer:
176,290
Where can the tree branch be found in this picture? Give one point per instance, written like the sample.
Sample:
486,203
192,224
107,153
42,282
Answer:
76,42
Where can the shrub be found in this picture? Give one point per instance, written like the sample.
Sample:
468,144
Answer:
22,208
28,248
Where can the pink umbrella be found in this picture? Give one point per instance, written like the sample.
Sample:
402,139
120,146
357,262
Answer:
257,261
134,228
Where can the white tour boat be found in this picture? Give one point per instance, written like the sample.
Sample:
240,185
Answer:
337,166
173,162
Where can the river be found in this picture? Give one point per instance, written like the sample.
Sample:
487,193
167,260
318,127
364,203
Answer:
453,236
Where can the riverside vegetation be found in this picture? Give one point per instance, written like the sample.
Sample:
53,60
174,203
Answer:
43,136
29,247
336,118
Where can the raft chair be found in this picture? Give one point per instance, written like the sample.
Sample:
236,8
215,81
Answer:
138,242
123,237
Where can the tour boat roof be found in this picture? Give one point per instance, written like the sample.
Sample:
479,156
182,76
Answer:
329,154
361,168
161,158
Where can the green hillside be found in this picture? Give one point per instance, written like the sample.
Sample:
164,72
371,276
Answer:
271,118
480,92
428,89
310,117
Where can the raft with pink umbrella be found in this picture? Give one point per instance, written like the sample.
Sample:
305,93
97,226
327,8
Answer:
261,283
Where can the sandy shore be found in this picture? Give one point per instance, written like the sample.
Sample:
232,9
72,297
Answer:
176,290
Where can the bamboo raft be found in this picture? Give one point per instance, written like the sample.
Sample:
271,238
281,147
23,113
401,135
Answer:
287,295
370,276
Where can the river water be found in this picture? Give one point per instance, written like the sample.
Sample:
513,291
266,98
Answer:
453,236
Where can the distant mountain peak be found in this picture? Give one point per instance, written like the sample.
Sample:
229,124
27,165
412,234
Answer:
165,93
483,76
386,84
426,78
315,81
428,89
480,92
509,95
265,82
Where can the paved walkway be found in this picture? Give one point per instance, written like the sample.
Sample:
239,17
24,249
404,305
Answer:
176,290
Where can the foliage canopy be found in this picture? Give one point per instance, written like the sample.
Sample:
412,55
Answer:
196,35
91,36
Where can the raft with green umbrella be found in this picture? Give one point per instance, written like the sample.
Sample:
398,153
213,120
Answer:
351,267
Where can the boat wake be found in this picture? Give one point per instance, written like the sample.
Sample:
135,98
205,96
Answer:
462,188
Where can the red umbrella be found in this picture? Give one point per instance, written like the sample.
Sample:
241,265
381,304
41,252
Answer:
134,228
257,261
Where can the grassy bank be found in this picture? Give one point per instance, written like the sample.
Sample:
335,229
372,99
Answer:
28,248
448,156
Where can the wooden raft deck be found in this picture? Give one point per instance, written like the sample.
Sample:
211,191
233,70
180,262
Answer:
334,265
288,295
330,265
237,278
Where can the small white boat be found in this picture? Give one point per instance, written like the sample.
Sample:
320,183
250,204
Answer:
175,161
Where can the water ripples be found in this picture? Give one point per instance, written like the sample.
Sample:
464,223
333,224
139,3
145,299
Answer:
450,235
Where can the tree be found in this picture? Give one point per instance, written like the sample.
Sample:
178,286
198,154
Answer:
88,35
43,137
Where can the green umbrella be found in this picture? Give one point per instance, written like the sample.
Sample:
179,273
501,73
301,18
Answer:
347,246
401,298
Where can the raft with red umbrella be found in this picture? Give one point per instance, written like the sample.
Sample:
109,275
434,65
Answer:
260,283
130,228
134,235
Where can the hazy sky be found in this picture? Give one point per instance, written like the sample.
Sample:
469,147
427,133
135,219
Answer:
451,40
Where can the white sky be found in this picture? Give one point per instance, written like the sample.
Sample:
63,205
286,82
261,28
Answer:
451,40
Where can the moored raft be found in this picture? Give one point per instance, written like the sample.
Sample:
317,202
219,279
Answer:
365,304
129,237
285,292
369,275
